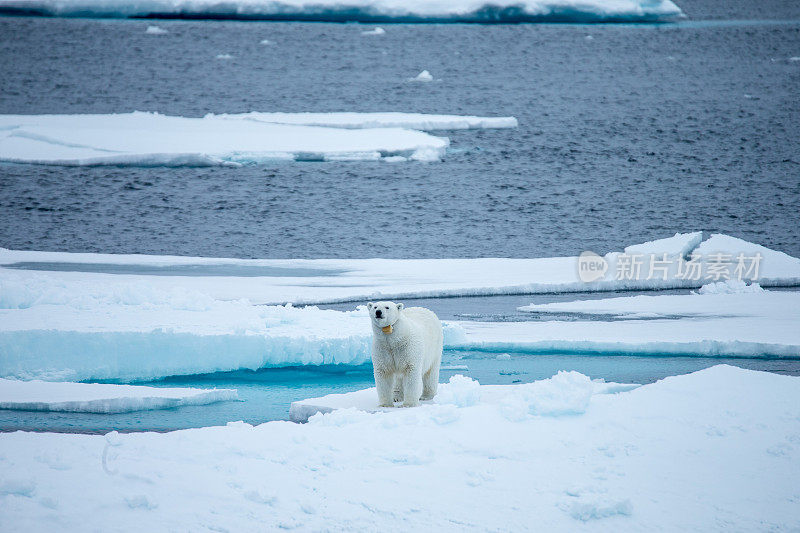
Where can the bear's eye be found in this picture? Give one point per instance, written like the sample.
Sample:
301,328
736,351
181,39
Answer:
387,307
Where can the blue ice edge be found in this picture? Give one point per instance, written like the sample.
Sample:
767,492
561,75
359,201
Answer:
57,355
487,14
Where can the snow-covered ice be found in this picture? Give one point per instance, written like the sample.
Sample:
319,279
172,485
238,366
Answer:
101,398
304,281
711,451
150,139
423,76
92,316
365,10
155,30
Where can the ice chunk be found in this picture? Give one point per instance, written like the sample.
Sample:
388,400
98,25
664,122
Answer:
148,139
224,56
267,41
731,286
377,31
155,30
423,76
101,398
495,11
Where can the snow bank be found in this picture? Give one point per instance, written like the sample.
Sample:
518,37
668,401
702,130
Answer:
150,139
101,398
496,11
711,451
416,121
564,393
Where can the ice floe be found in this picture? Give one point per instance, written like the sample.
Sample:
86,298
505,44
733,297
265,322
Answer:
150,139
155,30
117,317
496,11
101,398
303,281
690,452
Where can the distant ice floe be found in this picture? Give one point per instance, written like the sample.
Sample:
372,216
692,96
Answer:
101,398
377,31
162,315
423,76
155,30
267,42
224,56
496,11
151,139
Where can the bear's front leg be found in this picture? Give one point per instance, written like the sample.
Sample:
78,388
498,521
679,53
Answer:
412,387
397,389
384,382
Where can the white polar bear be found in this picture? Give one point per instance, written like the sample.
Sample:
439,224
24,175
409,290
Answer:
406,353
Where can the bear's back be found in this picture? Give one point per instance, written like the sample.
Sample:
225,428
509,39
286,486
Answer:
427,320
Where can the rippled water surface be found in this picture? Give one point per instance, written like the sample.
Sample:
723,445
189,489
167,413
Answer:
627,133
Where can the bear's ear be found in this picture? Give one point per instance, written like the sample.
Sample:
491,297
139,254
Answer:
370,305
400,307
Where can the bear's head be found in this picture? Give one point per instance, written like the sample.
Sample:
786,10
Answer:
384,313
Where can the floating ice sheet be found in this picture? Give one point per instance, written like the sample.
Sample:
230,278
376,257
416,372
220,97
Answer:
483,11
151,139
101,398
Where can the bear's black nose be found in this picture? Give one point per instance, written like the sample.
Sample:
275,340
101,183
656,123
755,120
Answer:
378,313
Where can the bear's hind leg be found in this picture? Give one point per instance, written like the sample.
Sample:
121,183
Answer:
430,383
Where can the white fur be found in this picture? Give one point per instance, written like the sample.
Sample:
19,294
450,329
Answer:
407,360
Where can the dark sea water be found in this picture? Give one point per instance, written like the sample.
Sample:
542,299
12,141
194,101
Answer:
627,133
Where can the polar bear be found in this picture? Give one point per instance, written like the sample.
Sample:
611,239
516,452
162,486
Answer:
406,352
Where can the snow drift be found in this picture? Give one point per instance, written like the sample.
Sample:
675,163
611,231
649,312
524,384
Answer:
497,11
